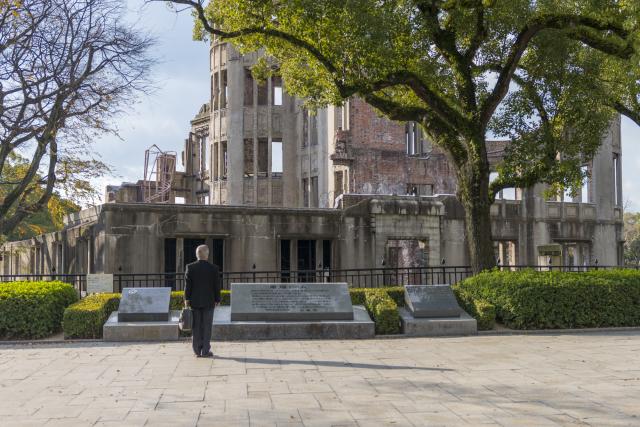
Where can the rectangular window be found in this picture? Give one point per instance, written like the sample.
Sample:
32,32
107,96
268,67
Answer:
248,157
338,183
276,158
263,156
277,90
248,88
215,164
215,96
314,192
224,89
420,189
305,192
617,194
305,127
263,93
314,130
584,191
224,159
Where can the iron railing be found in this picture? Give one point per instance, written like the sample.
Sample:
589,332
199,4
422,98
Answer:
357,278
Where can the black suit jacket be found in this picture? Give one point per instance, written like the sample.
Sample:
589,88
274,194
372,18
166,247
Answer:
202,286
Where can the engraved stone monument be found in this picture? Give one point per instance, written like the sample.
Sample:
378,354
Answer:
143,315
291,301
144,305
431,301
291,311
433,310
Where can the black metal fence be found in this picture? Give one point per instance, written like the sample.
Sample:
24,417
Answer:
357,278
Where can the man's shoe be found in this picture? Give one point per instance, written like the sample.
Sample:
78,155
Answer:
210,354
197,355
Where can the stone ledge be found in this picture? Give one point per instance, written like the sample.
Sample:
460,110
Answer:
224,329
141,331
437,327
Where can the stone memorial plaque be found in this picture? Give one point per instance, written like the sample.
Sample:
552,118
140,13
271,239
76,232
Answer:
431,301
99,283
144,305
290,301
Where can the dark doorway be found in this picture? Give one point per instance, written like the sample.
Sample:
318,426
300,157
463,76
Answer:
217,253
306,260
285,260
189,251
170,262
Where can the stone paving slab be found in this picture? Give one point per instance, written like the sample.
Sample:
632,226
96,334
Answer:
574,380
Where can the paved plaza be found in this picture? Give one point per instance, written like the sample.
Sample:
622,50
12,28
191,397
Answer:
581,379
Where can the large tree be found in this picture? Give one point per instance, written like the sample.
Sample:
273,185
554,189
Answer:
539,72
66,68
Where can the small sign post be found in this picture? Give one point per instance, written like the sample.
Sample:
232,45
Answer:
99,283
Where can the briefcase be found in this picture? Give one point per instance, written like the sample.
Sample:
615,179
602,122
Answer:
185,323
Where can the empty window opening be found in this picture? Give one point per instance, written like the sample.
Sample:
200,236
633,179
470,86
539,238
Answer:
314,192
277,90
224,89
420,189
215,165
276,158
586,184
263,156
338,183
248,158
263,93
225,162
305,192
248,88
617,193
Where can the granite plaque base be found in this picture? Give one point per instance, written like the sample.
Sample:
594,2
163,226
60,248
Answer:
144,305
114,330
437,327
224,329
290,301
431,301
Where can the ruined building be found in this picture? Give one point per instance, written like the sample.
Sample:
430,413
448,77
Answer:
269,186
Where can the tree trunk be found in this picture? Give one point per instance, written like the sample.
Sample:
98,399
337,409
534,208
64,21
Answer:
473,184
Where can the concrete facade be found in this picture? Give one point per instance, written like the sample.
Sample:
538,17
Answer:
270,186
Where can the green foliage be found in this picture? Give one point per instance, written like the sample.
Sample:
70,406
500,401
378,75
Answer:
632,238
85,318
383,310
546,300
483,311
48,218
33,309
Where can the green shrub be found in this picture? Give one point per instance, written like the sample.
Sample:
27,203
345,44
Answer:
383,310
177,299
396,293
85,318
544,300
482,310
33,309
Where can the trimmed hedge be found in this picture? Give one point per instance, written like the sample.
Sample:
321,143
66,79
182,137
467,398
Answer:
546,300
383,311
482,310
85,318
33,309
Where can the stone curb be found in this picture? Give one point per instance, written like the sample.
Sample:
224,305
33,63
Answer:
382,337
556,331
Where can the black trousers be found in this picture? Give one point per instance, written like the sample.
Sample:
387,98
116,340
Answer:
201,330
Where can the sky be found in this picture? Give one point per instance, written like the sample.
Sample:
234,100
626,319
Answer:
181,78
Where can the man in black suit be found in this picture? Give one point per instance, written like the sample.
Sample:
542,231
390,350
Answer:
202,294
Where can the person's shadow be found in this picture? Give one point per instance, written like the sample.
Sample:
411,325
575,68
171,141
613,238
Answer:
329,363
